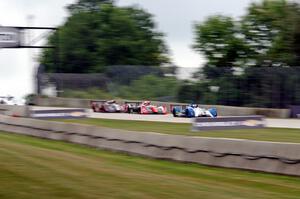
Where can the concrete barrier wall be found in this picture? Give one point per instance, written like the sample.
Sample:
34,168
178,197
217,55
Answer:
14,110
282,158
222,110
62,102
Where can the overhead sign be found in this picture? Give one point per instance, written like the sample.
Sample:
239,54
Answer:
9,37
59,113
223,123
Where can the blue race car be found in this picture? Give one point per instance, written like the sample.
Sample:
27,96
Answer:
193,110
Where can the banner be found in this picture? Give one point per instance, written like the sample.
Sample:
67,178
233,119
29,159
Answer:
223,123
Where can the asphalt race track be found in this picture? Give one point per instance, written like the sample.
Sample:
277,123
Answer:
270,122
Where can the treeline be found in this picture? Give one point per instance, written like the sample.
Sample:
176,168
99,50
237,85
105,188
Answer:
98,34
256,87
250,62
129,82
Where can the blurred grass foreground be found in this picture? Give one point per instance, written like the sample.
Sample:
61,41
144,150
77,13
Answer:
36,168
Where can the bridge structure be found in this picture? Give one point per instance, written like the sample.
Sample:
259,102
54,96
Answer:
15,37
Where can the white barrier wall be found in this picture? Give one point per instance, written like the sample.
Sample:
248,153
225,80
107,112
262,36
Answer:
282,158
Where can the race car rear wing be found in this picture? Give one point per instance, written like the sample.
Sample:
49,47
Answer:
98,102
179,106
136,103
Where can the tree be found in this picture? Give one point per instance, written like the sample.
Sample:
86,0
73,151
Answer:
149,87
219,40
116,73
267,35
87,5
268,38
216,39
270,29
93,38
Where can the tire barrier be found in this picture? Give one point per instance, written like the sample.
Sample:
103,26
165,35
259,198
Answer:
280,158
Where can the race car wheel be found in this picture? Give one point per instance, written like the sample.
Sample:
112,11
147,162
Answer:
174,112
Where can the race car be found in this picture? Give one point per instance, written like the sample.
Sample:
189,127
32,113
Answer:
144,108
193,110
106,106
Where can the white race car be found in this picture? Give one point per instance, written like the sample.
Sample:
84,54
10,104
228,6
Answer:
193,110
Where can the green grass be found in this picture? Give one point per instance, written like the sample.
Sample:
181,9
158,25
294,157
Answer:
35,168
267,134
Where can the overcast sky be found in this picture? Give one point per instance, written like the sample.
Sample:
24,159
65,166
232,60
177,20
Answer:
175,18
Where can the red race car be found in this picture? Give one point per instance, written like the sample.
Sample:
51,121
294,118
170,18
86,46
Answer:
145,108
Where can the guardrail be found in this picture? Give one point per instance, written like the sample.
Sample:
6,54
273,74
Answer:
281,158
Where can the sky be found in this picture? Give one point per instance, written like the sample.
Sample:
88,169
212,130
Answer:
175,18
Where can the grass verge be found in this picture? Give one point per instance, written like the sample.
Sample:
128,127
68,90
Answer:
36,168
266,134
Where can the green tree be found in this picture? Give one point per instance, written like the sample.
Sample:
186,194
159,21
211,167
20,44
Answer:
270,29
94,38
267,37
217,38
150,87
87,5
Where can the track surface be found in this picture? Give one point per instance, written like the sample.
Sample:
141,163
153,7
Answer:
277,123
270,122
